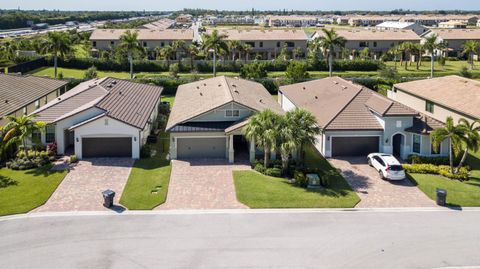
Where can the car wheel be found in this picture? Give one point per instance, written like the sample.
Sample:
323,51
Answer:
380,173
369,162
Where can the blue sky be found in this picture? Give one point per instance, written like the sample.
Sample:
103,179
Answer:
241,4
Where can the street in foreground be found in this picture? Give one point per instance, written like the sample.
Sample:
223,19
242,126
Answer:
244,239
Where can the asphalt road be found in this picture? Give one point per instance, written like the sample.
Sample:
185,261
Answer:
430,239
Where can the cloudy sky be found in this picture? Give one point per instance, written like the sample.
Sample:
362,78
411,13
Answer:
241,4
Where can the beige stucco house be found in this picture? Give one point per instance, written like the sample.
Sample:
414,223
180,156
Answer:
207,118
21,95
455,38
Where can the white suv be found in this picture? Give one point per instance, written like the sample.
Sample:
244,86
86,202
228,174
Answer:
388,167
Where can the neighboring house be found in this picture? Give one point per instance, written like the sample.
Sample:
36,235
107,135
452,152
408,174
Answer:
399,25
267,43
293,21
105,117
161,24
377,41
370,20
106,39
441,97
207,118
455,38
435,20
21,95
452,25
356,121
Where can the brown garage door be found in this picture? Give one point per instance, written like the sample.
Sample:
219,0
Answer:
354,146
107,147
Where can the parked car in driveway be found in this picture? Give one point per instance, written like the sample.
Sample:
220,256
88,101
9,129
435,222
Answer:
387,165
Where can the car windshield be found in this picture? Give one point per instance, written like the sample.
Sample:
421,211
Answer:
396,168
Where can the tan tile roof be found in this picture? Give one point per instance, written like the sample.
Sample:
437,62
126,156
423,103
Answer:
455,92
374,34
451,34
338,104
19,91
123,100
259,34
144,34
158,25
196,98
423,124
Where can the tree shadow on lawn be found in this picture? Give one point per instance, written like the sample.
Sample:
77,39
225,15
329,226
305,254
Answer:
6,182
43,171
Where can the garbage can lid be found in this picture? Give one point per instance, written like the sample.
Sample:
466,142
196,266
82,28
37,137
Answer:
108,192
442,191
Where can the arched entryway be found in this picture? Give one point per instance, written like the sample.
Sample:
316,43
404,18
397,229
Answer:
398,141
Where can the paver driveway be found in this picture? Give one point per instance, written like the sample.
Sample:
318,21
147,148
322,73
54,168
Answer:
81,189
202,184
376,192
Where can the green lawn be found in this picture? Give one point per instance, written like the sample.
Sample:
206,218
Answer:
22,191
147,185
458,193
259,191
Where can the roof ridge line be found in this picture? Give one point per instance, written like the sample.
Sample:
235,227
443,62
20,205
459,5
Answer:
343,108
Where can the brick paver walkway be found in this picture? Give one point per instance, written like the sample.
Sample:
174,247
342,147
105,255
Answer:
376,192
81,189
202,184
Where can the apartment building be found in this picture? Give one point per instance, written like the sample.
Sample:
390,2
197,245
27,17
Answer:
293,21
455,38
268,44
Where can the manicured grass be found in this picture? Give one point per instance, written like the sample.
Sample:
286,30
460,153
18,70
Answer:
259,191
22,191
168,98
76,73
147,184
465,193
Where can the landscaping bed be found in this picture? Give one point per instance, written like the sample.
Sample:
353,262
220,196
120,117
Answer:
260,191
22,191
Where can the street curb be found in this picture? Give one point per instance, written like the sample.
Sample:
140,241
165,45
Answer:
237,211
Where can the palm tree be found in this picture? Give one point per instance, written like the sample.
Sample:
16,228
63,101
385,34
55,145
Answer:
407,48
330,41
296,52
58,45
8,49
287,141
471,139
315,49
18,131
263,129
129,43
166,54
471,47
192,51
394,51
453,133
304,126
215,43
178,45
345,53
234,46
246,48
431,44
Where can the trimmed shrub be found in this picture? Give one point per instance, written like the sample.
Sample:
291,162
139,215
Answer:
417,159
146,151
443,170
259,168
300,179
73,159
273,172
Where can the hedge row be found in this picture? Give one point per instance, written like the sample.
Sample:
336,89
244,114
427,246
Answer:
207,66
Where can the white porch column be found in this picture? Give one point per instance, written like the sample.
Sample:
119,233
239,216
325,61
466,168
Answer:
252,150
231,151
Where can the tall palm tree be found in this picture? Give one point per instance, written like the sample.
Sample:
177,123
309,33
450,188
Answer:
166,54
129,43
470,47
394,51
407,48
18,131
471,139
315,49
192,51
330,40
214,42
246,48
305,128
58,45
431,44
263,129
234,46
8,49
178,46
454,133
286,139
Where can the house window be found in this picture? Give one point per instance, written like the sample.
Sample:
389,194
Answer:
36,137
435,151
162,44
112,43
279,44
232,113
290,44
261,45
398,124
252,44
374,44
363,44
429,106
37,104
94,44
24,111
417,140
50,133
144,43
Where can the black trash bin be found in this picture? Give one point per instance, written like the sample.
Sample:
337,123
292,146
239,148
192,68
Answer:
108,198
441,197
